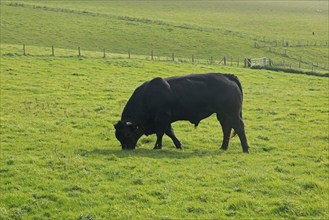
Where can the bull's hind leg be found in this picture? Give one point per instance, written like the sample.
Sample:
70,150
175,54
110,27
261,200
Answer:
226,130
238,126
171,134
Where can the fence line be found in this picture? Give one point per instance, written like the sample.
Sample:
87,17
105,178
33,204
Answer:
287,43
222,60
285,53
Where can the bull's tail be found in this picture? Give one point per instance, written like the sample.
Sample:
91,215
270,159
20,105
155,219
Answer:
235,79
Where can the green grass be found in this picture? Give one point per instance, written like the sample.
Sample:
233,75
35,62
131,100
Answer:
60,158
200,28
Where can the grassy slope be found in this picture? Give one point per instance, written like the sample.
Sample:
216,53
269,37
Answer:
202,28
60,159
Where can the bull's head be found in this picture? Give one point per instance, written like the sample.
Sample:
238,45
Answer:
128,134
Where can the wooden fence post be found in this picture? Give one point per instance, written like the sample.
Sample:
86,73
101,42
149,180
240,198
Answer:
192,58
247,62
79,52
231,61
52,51
24,53
238,62
129,53
104,53
211,60
224,60
151,54
173,56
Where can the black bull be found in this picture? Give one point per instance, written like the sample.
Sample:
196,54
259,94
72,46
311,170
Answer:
157,103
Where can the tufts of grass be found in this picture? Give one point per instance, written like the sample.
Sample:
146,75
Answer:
60,158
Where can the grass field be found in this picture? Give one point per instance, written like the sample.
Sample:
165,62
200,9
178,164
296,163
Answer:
60,158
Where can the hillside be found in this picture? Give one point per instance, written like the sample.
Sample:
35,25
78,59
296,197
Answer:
282,31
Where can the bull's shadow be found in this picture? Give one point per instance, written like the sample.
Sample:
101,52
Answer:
150,153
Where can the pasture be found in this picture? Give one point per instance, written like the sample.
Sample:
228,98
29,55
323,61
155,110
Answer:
59,158
186,28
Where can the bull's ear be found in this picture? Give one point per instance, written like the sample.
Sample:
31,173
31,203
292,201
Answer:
137,127
117,125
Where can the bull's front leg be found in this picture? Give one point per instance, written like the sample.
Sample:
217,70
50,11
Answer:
162,122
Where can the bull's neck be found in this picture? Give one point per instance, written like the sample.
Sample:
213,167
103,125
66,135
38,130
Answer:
134,110
133,114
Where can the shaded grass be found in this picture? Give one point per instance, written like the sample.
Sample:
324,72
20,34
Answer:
60,159
289,70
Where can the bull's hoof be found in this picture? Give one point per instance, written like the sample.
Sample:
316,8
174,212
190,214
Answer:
157,148
179,146
223,148
246,151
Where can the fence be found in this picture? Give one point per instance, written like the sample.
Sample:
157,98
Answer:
215,60
104,53
257,62
287,43
294,61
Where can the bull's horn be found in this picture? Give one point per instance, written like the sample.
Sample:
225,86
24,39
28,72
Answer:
128,123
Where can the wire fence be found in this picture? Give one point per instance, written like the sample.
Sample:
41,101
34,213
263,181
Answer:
298,64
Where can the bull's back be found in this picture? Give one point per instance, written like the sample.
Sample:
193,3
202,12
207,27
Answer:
201,88
199,95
